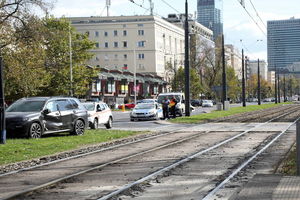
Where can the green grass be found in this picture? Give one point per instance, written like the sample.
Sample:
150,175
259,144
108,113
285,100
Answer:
289,166
25,149
217,114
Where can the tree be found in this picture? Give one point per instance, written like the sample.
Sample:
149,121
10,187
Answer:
234,88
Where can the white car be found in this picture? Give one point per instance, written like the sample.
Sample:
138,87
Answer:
146,111
207,103
99,113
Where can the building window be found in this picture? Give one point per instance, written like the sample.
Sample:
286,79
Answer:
141,44
116,44
140,32
96,58
96,86
97,45
110,83
124,33
124,43
125,66
141,67
124,87
115,33
116,56
106,57
96,33
87,33
140,25
141,56
106,44
125,56
155,89
105,33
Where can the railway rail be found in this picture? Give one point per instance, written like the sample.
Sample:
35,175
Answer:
171,164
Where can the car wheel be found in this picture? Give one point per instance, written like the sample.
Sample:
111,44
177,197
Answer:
95,124
78,128
108,125
132,120
35,130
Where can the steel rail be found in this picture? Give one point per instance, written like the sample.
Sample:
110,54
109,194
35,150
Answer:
243,165
101,166
182,161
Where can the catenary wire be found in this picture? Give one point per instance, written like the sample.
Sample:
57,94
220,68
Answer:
258,14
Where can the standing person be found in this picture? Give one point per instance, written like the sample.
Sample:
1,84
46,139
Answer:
165,105
173,103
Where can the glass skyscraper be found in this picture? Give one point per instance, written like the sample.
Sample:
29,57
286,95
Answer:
210,15
283,43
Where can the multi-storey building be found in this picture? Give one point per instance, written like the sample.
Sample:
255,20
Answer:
283,43
263,68
132,45
233,58
271,77
209,13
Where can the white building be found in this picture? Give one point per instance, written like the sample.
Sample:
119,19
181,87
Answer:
153,40
271,77
253,66
233,58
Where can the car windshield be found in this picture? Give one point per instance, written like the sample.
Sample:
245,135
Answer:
89,106
207,101
26,106
144,106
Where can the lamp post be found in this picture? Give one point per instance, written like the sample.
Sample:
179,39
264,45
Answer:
186,63
243,80
71,64
2,106
134,75
258,83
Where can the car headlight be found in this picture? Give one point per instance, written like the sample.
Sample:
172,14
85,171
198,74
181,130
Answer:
151,113
25,119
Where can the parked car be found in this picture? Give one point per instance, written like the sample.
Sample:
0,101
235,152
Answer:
98,113
207,103
146,111
196,102
180,106
127,105
146,101
36,116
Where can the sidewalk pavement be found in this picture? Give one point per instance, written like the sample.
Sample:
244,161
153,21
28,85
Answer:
270,187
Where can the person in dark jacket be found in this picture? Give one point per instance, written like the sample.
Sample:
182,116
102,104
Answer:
173,103
165,105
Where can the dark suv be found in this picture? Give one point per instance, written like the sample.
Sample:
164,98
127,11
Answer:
36,116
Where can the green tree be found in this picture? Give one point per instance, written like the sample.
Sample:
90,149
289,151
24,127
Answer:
234,88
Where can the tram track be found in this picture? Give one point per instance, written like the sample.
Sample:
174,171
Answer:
192,137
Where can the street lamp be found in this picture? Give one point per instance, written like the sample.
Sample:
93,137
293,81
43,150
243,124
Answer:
71,64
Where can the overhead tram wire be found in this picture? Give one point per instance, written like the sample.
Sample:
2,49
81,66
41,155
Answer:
147,9
253,19
171,6
258,14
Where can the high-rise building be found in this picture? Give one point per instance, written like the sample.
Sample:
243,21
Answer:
210,15
283,43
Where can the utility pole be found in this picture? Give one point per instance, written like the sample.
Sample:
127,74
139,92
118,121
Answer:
134,75
151,7
71,64
2,105
187,63
108,3
224,74
276,85
243,80
284,90
258,83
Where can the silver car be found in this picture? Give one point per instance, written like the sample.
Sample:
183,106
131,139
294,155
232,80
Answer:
146,111
99,113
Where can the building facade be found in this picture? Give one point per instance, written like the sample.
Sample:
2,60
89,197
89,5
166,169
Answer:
271,77
134,45
233,58
209,14
283,43
263,68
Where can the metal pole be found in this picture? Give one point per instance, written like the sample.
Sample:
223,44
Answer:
2,105
224,74
134,75
284,89
243,80
298,147
276,85
71,64
186,63
258,83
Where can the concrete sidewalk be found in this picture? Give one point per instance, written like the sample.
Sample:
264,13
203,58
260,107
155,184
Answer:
271,187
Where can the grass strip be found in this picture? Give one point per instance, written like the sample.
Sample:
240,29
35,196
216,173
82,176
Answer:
218,114
16,150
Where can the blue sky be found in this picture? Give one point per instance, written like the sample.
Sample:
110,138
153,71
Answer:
237,24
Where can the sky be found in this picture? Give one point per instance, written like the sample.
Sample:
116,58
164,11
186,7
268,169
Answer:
239,28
